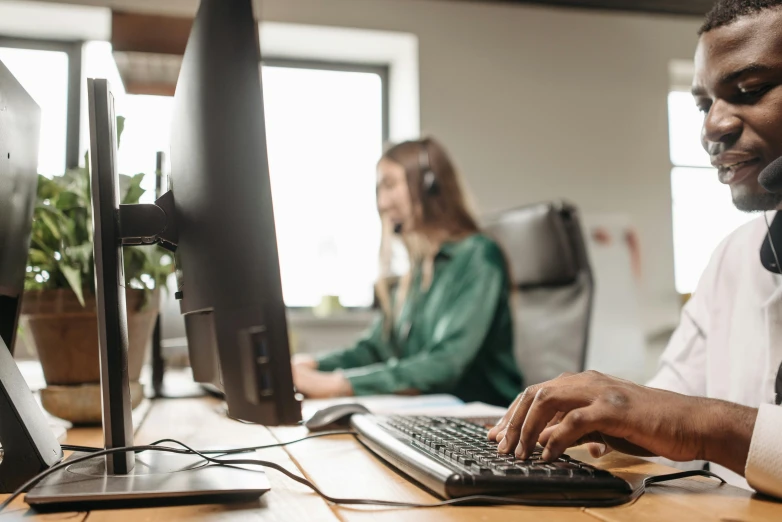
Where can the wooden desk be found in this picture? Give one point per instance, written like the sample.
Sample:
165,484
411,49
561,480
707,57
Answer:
342,467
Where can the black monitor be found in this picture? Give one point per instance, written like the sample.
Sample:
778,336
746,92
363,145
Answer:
226,258
20,124
218,219
27,444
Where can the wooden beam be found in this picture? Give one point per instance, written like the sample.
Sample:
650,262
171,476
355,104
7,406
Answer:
675,7
133,32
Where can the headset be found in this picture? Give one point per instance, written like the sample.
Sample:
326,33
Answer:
428,177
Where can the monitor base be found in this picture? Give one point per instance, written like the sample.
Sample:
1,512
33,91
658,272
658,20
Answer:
158,479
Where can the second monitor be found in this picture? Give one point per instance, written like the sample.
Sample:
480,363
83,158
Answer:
227,262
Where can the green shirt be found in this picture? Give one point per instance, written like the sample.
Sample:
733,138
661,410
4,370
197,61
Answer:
456,337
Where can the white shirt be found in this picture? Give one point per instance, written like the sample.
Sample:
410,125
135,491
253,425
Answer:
729,346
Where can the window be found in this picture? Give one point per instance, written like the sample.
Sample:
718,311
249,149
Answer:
44,75
325,128
703,213
325,131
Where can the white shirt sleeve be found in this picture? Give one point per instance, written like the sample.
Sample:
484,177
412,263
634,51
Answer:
764,463
682,365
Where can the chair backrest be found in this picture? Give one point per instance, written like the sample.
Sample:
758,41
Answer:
553,282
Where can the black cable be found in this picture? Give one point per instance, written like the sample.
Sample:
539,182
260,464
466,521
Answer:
474,499
250,449
771,241
232,451
656,479
80,449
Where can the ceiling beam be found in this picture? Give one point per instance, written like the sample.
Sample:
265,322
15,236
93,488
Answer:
675,7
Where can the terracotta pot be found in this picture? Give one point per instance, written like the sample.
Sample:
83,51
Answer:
65,334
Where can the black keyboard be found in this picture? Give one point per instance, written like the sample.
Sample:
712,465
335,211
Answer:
453,458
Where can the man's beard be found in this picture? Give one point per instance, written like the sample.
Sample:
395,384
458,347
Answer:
757,202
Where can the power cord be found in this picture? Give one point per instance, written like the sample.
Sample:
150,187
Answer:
232,451
470,500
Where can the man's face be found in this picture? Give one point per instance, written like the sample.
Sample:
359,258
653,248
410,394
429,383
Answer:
738,87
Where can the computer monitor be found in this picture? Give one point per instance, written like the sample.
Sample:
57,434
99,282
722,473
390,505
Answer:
20,124
218,219
226,258
27,444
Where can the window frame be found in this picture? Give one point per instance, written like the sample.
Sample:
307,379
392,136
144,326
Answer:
73,49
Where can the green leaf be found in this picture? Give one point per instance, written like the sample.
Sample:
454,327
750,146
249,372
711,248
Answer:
47,188
52,227
73,276
132,191
120,128
68,200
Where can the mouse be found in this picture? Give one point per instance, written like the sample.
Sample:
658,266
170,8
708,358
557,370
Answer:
333,417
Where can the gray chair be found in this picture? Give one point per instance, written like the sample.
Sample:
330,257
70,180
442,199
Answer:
553,283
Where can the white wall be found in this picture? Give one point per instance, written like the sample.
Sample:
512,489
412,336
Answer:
535,103
540,103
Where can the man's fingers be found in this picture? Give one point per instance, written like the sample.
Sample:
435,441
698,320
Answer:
516,420
599,449
500,427
549,402
575,426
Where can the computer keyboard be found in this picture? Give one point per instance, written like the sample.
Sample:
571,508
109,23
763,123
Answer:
453,458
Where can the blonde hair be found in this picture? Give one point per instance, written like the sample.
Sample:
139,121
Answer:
440,214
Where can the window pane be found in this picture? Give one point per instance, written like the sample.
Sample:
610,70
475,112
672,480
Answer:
44,75
147,131
685,122
324,137
147,119
703,214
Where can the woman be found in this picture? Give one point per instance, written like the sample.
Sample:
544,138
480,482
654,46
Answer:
447,328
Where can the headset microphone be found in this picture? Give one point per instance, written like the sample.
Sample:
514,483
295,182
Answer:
771,180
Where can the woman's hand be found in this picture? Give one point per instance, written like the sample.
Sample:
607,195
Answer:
305,361
320,385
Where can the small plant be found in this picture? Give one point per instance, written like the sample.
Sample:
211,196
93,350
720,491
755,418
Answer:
61,253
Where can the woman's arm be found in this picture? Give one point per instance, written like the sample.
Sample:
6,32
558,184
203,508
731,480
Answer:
459,333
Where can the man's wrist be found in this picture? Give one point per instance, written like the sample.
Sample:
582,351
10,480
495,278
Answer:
727,433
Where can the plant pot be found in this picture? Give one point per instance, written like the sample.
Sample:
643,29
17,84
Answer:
65,336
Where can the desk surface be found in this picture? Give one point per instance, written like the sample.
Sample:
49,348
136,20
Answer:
342,467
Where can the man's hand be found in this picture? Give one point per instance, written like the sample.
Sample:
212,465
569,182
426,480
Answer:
591,407
320,385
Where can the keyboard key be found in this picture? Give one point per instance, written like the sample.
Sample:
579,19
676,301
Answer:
481,470
511,470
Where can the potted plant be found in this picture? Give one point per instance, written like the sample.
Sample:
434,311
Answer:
58,310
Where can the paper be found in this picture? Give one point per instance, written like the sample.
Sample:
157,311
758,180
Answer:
441,405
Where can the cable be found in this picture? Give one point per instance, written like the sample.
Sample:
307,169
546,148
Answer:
474,499
232,451
771,242
80,449
656,479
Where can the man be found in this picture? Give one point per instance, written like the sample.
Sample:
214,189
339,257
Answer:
713,397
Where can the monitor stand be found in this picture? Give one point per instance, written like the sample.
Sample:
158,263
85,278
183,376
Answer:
157,479
127,479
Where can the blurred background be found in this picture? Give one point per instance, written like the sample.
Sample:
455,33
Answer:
582,100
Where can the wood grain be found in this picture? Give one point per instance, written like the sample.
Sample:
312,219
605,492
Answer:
342,467
201,424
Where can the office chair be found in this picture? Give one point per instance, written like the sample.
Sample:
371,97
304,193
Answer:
553,287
